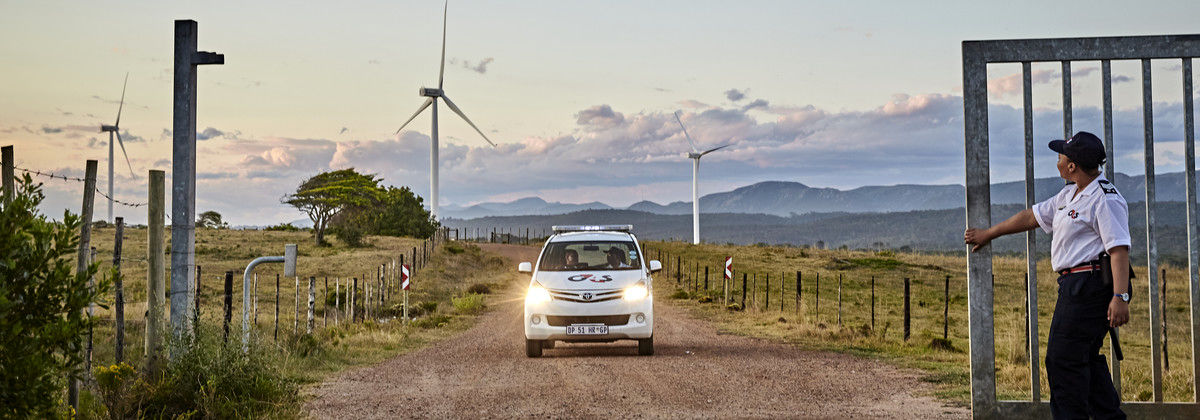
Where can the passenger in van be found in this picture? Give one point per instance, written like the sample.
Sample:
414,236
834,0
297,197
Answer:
616,258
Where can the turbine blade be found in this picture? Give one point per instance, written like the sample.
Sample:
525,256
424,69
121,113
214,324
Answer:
415,114
122,143
685,133
454,108
122,105
442,68
714,149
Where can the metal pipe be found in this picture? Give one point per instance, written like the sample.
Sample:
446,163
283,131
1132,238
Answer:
247,277
1030,241
1114,364
696,200
1068,110
1151,247
979,215
1189,147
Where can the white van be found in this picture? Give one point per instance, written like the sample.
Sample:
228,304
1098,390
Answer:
591,284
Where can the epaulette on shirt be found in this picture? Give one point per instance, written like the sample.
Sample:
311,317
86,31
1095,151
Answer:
1108,187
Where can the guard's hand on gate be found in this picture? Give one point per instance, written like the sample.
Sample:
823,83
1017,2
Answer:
1118,312
977,237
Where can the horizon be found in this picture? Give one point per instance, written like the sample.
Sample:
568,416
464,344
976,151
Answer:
810,103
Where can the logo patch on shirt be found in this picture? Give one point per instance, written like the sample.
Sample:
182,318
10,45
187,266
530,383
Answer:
1073,214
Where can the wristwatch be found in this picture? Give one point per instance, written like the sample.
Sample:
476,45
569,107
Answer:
1124,296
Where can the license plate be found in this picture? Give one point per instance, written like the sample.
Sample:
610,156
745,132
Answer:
587,329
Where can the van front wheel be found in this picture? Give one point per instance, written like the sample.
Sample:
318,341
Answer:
533,348
646,346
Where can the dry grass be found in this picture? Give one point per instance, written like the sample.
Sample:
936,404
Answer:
332,347
946,367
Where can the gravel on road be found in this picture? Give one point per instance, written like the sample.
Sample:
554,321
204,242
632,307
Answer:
695,372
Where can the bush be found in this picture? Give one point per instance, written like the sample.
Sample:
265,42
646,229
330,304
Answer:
469,304
282,227
454,249
680,294
428,306
480,289
734,307
41,303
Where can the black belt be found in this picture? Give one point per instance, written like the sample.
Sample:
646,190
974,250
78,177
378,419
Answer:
1086,267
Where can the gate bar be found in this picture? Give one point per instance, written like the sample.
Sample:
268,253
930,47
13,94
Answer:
1068,110
1031,311
979,215
1189,147
1151,247
1114,365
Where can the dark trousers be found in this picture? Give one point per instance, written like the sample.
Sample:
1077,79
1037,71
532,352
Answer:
1080,384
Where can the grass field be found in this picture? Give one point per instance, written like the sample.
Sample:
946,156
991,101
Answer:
947,364
440,288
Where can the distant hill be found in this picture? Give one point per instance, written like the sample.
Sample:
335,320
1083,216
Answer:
925,230
783,198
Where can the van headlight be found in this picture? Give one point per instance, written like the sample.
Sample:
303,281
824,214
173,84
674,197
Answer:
636,292
537,294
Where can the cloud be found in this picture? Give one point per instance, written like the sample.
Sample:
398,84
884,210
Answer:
692,103
128,137
209,133
480,67
757,103
1013,85
734,95
51,130
599,117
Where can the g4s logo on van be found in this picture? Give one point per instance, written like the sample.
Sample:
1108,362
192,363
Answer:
592,277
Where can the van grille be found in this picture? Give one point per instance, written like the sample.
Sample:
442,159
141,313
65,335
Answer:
610,320
591,296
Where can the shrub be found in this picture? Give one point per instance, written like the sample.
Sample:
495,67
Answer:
428,306
433,321
41,303
734,307
454,249
218,381
469,304
479,288
282,227
705,299
680,294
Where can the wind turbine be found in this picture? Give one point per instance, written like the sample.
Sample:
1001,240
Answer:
115,129
695,156
433,95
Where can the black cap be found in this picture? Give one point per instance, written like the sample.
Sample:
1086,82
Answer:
1083,148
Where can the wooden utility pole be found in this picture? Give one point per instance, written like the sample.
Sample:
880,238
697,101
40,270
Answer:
119,285
82,258
6,160
155,281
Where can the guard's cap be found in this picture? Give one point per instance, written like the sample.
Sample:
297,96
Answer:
1083,148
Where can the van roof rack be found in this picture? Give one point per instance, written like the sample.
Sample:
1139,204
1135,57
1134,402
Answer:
592,228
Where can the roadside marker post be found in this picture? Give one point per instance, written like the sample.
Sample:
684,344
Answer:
404,284
728,277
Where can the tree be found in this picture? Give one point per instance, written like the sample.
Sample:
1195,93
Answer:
326,194
41,304
401,213
212,220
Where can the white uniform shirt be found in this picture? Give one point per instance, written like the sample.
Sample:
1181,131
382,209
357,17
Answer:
1094,221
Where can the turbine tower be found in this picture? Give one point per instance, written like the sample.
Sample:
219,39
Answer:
433,95
695,156
112,130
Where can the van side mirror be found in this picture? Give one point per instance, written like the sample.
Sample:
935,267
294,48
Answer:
655,266
525,267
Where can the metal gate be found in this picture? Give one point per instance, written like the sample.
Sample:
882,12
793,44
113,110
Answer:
976,56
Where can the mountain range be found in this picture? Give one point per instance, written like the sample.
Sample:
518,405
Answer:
783,198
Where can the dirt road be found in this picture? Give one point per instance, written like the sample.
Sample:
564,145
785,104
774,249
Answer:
695,372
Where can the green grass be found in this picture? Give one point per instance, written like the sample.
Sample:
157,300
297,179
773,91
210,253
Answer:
945,362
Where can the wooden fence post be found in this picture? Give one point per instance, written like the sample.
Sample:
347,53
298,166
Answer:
839,300
82,261
276,307
119,285
782,289
312,301
196,311
337,300
767,292
352,300
946,312
743,291
254,297
706,278
907,313
754,291
155,283
296,307
872,303
797,295
817,298
1163,311
325,305
228,306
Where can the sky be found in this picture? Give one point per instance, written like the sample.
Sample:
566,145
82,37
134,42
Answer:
578,95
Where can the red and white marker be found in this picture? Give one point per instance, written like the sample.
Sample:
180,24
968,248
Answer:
404,276
728,268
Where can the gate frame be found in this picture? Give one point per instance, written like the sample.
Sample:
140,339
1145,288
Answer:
976,55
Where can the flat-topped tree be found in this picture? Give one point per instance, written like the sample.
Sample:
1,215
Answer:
326,194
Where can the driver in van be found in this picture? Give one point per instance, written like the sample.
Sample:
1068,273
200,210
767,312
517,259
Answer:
616,258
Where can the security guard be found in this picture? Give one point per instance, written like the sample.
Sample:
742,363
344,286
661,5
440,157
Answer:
1087,218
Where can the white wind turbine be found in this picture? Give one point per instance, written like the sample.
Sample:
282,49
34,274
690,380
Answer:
695,156
433,95
112,130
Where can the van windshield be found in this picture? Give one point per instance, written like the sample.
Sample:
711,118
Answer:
590,255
